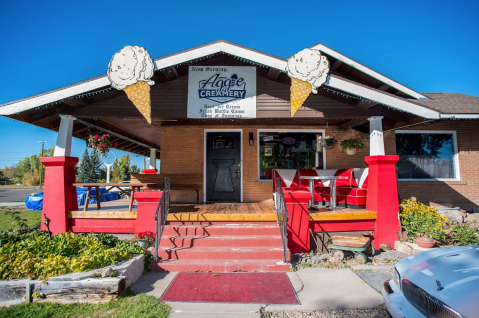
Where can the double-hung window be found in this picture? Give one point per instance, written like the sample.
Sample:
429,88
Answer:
427,155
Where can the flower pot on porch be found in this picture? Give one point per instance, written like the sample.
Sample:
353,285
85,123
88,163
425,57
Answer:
424,242
351,151
142,243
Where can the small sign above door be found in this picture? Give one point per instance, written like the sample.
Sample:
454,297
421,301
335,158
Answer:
221,92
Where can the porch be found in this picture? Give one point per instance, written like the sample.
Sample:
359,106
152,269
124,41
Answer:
214,212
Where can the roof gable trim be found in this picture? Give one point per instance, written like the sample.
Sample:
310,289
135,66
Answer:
367,70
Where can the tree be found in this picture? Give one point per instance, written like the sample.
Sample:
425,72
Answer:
121,169
84,167
95,166
9,172
135,169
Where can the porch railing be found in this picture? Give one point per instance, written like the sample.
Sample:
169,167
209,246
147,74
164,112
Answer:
282,214
160,216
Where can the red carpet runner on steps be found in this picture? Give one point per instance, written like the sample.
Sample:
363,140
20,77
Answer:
257,288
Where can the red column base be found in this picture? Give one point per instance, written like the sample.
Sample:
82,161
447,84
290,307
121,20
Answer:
150,171
298,220
59,195
383,198
145,216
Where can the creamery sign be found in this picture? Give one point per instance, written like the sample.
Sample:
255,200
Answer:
222,92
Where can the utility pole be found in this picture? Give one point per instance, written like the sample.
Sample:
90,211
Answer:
41,165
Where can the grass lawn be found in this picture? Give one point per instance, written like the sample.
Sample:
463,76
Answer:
129,306
32,217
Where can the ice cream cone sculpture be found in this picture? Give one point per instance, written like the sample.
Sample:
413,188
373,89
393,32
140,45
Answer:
308,70
131,70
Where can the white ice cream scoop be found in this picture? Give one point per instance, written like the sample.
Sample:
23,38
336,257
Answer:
130,65
309,66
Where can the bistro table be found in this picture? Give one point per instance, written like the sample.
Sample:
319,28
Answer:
332,192
133,186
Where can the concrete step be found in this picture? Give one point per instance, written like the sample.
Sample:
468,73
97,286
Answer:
221,241
222,253
220,266
223,229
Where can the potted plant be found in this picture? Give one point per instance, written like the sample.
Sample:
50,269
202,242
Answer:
144,239
353,144
328,142
425,241
100,142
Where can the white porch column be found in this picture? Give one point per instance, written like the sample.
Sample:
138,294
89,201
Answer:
63,147
376,140
152,158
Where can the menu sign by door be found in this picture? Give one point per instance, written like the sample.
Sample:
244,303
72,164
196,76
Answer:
221,92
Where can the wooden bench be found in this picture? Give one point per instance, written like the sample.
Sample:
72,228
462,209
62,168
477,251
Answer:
178,181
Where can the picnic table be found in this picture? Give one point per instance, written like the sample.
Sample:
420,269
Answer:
133,186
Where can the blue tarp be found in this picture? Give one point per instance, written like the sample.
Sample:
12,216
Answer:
35,202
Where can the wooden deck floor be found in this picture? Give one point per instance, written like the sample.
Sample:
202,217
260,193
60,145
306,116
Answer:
263,211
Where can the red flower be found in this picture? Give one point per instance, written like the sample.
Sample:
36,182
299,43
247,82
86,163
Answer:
96,136
90,135
104,135
116,144
102,146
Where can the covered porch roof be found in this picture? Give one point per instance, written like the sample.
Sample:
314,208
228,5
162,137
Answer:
351,94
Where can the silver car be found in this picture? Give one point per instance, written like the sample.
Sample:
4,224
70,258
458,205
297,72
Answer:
443,282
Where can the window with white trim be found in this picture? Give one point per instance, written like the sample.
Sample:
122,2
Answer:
427,155
288,149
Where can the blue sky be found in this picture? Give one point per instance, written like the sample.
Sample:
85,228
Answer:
429,46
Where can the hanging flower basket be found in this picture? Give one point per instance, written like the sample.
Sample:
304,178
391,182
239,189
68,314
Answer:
328,142
101,143
351,151
352,145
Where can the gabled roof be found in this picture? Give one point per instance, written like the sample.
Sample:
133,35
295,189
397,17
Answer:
453,105
386,80
249,55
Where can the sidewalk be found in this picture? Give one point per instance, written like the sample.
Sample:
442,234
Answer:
317,288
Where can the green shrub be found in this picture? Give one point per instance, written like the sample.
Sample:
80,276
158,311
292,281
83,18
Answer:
417,218
460,234
35,255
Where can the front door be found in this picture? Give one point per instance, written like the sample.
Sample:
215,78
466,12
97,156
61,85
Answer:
223,166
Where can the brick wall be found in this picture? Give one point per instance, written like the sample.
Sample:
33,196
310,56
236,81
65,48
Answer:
182,148
182,152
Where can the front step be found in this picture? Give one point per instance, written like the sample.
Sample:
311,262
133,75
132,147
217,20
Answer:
219,266
221,229
230,253
221,246
221,241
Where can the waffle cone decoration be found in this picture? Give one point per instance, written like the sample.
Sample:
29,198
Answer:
308,70
139,95
299,93
131,70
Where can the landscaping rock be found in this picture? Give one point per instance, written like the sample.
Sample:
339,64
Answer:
455,215
106,272
473,219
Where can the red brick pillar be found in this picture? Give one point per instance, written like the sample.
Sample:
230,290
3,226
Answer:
383,198
298,220
59,196
145,216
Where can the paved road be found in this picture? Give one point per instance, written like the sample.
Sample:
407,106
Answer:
10,195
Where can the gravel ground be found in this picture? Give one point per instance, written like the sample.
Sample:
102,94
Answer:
326,261
345,313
